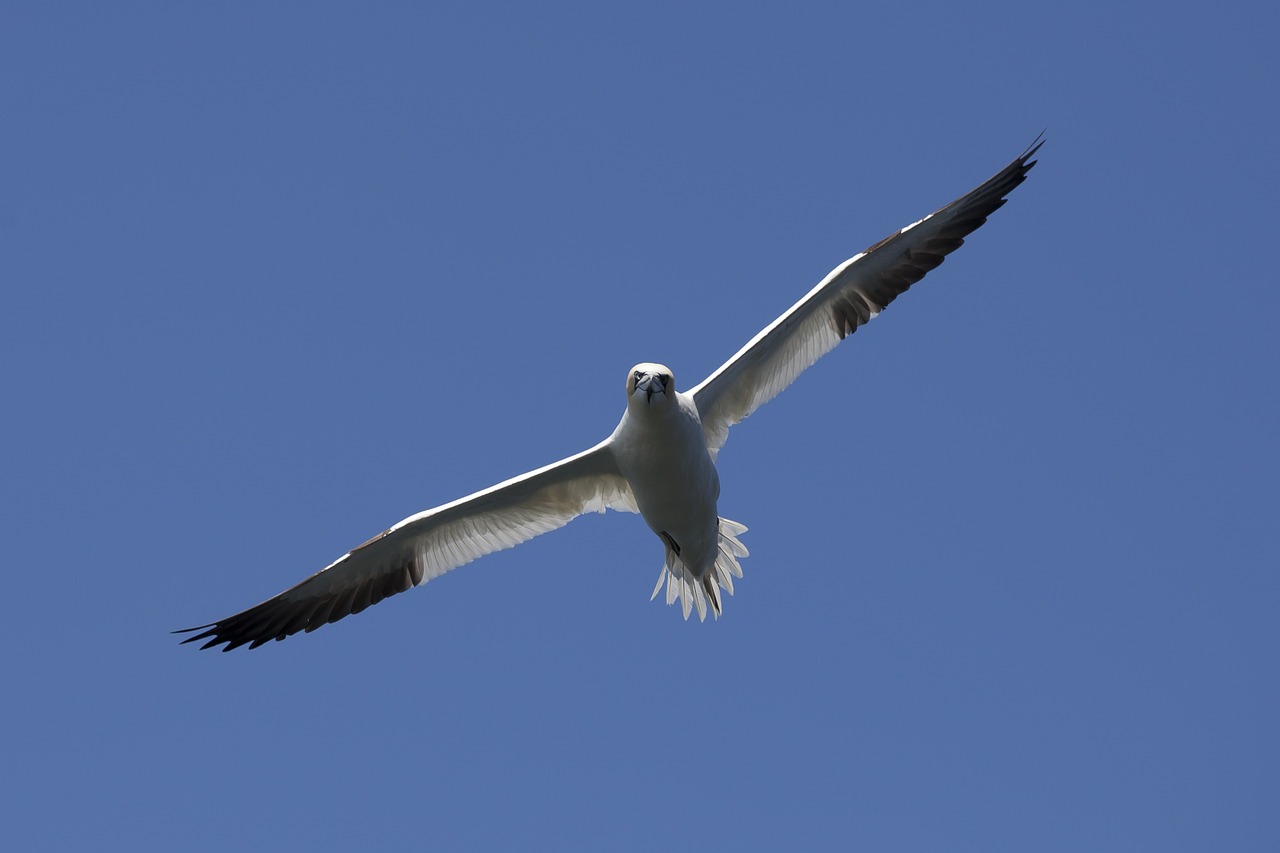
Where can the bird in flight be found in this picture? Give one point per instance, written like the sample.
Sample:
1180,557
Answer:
660,461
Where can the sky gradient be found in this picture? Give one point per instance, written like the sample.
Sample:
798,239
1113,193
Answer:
275,278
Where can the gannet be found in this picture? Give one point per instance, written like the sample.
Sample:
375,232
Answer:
660,461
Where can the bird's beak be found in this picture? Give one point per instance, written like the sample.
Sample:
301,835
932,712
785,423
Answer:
650,385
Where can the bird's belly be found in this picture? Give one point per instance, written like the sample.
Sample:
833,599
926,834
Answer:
677,497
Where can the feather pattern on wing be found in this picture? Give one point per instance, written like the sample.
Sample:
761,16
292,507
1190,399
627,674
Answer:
426,545
850,296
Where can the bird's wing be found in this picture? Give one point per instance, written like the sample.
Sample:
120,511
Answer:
852,294
427,545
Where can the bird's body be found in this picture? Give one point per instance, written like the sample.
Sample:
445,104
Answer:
660,461
661,451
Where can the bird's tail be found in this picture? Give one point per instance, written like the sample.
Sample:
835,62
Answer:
696,592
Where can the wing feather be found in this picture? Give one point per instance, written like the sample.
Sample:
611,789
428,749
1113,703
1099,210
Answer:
849,297
426,545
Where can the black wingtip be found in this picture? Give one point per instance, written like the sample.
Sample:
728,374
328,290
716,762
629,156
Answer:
193,630
1025,156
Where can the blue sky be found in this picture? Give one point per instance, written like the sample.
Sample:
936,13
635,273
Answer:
275,278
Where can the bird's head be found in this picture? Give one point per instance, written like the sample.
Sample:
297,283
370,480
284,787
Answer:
650,384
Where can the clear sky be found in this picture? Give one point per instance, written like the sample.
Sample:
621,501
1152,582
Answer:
275,276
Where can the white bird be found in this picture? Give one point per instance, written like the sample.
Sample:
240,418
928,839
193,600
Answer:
659,461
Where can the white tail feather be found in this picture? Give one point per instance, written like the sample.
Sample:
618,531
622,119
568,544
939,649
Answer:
695,592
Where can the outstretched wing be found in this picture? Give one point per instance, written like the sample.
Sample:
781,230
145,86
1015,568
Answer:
854,292
427,545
